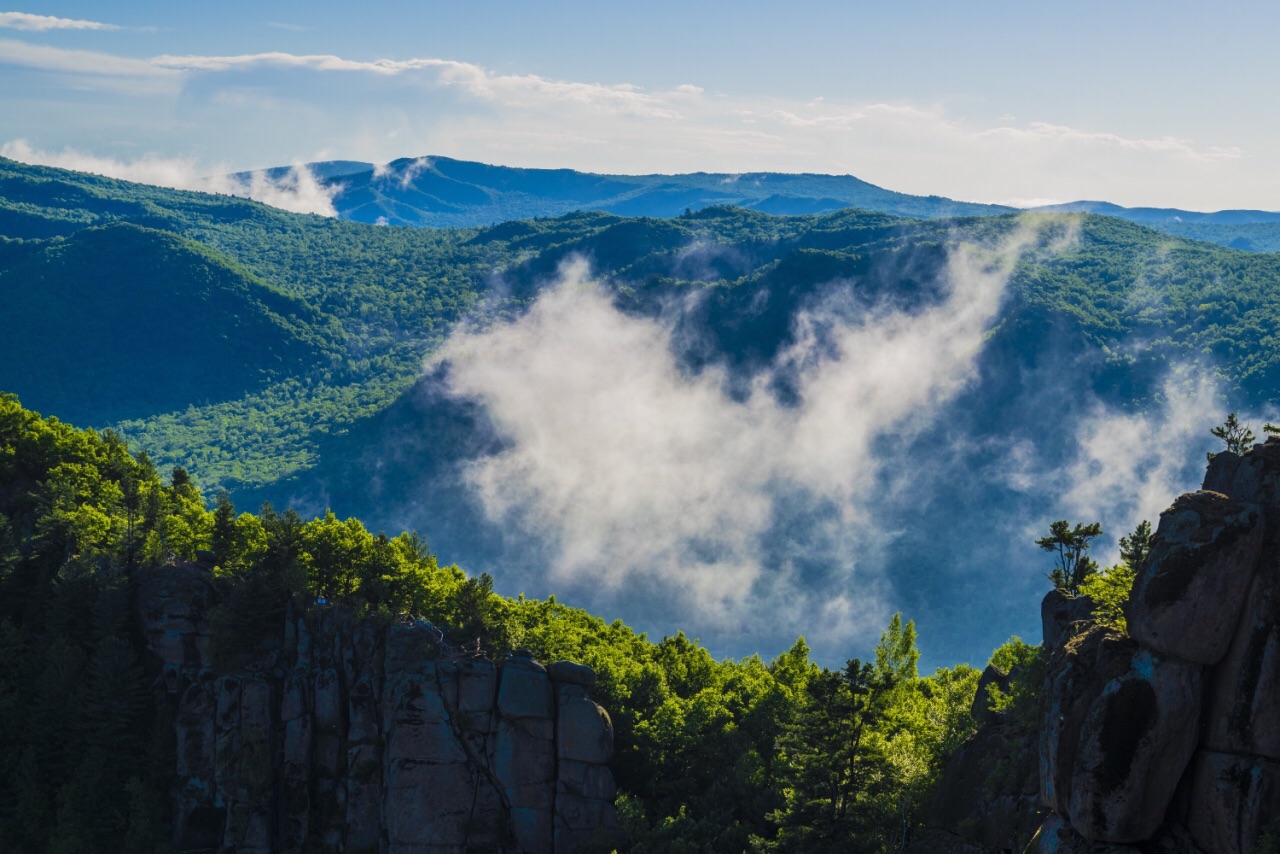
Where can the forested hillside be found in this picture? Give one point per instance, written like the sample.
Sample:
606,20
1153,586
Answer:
711,755
289,366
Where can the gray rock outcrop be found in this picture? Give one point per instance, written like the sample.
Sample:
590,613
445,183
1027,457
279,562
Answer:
354,738
1169,739
1205,551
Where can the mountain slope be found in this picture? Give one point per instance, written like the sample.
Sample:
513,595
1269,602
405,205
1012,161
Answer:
124,321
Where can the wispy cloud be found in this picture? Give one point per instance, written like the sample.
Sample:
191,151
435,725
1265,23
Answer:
511,89
1044,132
1127,466
41,23
298,190
85,62
648,483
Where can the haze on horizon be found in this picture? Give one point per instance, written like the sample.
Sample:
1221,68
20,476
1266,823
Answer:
1149,104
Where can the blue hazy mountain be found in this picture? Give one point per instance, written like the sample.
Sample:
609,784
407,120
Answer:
440,192
1148,216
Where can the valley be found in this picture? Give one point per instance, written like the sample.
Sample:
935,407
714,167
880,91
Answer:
303,383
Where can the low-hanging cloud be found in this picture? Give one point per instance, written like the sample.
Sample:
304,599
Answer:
642,479
297,190
1128,466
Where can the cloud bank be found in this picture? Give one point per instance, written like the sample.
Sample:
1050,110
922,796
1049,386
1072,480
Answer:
643,480
297,190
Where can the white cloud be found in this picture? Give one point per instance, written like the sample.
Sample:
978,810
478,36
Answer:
512,90
297,191
640,477
1044,132
86,62
41,23
1128,466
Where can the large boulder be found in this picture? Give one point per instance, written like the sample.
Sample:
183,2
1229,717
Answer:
1243,477
1138,736
1074,677
572,672
1204,551
1118,727
584,732
524,691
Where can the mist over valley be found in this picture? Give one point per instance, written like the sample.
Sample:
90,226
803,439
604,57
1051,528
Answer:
745,426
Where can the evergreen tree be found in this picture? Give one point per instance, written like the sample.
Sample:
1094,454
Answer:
1070,544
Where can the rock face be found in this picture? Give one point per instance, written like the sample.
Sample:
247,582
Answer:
1062,616
354,738
1169,739
1206,551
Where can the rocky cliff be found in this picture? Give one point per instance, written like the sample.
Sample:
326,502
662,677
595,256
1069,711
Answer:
358,738
1169,739
1166,739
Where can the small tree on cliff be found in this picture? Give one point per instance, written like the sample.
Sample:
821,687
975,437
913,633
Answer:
1135,547
1110,588
1237,437
1074,566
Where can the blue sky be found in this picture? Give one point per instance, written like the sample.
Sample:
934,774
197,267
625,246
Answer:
1137,103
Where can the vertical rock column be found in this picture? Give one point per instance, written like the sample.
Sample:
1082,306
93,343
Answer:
244,769
469,687
198,820
295,762
364,743
429,784
523,752
584,745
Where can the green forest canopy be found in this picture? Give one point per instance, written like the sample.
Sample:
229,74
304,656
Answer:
711,755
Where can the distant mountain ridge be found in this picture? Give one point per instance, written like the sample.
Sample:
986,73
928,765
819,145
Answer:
441,192
1148,216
